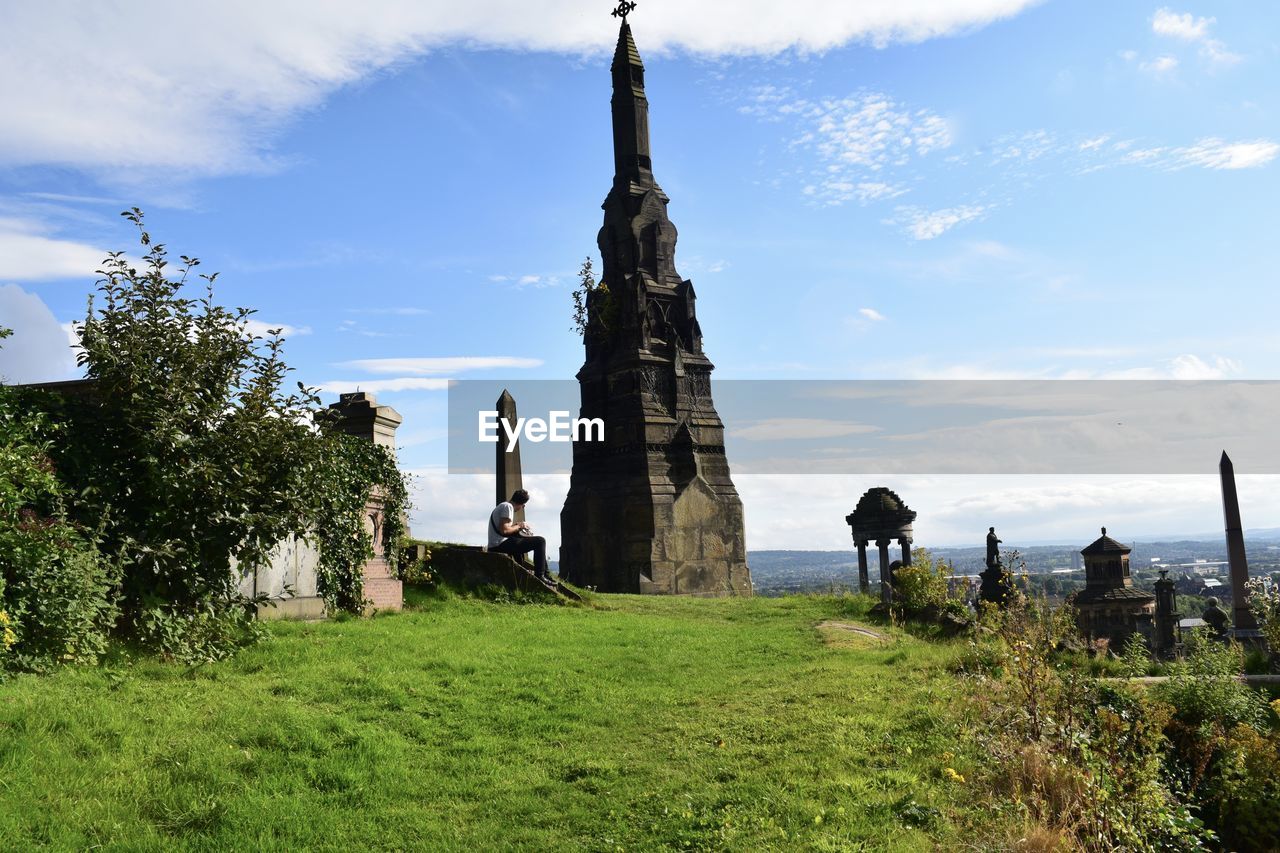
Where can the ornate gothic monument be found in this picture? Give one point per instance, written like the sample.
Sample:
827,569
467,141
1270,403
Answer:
652,508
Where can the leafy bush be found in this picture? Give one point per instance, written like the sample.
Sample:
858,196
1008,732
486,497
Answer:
193,461
55,601
1204,690
924,587
1245,790
194,636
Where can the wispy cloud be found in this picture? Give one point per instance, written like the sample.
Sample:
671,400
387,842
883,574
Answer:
527,280
441,366
1160,65
856,140
1214,153
871,314
1186,27
375,386
924,224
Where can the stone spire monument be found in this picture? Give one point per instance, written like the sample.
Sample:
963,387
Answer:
652,508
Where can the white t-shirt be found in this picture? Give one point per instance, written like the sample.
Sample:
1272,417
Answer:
501,511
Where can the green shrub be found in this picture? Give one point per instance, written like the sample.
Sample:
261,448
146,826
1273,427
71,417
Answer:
924,587
1245,789
55,589
1079,757
1204,690
194,636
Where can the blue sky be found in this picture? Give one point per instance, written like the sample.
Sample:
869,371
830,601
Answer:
909,189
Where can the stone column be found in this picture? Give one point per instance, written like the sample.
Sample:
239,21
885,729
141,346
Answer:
905,545
1246,625
886,578
507,466
864,582
1166,617
360,415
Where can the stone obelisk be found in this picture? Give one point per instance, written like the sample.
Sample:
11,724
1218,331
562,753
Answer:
1242,619
507,466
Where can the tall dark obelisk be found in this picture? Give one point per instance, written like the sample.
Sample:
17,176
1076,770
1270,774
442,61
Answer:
1242,619
652,508
507,476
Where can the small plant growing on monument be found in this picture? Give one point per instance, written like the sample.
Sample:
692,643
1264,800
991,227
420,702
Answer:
594,309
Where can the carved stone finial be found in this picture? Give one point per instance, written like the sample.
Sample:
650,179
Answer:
625,7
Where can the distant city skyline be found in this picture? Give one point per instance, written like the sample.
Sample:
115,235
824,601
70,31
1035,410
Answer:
976,189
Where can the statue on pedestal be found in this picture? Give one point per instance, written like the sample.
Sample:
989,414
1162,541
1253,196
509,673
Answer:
995,580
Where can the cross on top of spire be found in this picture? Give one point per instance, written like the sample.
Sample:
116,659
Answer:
625,7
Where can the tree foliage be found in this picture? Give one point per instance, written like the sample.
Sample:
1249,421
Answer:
195,459
55,591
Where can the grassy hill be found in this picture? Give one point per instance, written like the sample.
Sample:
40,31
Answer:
630,723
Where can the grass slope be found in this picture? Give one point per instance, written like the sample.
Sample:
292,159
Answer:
636,722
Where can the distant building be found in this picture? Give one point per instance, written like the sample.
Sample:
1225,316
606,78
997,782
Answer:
1109,606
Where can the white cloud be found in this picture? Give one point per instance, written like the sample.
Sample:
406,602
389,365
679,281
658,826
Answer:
1217,53
263,329
1187,366
924,224
375,386
441,366
40,348
204,86
1186,27
28,254
1215,153
871,314
1160,65
1183,26
783,429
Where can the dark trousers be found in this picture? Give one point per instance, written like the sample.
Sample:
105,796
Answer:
518,545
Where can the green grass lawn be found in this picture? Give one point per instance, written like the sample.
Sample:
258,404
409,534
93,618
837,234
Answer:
630,723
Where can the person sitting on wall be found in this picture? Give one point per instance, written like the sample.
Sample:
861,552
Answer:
508,536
